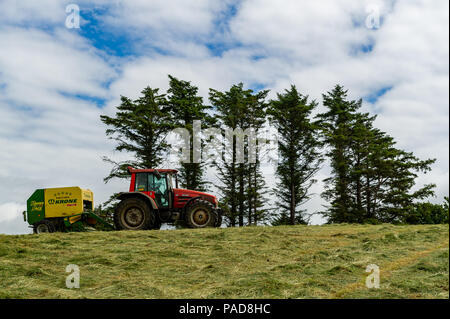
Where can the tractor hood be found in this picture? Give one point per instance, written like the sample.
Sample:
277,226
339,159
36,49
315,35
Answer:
181,193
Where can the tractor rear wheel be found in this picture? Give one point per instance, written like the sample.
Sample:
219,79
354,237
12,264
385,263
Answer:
43,226
200,214
133,214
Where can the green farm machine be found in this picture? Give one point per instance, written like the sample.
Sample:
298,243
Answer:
61,209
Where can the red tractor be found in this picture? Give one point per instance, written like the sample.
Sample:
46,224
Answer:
154,198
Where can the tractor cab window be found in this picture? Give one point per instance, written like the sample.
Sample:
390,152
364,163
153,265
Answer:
141,182
159,186
170,180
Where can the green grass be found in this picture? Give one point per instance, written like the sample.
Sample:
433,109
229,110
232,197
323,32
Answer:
252,262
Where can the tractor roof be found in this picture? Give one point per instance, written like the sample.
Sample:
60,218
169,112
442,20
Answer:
150,170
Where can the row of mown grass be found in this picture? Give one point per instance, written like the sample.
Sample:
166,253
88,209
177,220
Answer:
253,262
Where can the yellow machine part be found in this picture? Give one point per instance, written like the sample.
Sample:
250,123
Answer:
74,219
67,201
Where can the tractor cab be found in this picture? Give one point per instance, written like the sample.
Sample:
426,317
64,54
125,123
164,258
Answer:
162,186
157,184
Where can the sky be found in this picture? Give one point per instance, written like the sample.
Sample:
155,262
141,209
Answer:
58,77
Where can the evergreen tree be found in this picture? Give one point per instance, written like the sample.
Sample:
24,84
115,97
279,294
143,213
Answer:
256,195
336,124
371,180
390,178
140,128
256,185
236,108
362,134
428,213
186,106
299,154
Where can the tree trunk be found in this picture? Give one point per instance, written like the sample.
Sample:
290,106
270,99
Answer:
368,198
292,212
241,194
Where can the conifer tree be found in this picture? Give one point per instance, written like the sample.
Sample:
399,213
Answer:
299,154
186,106
256,185
236,108
336,124
139,127
371,179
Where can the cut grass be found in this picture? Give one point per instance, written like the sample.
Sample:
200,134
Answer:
253,262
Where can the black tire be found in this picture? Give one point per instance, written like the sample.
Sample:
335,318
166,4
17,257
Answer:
43,226
133,214
200,214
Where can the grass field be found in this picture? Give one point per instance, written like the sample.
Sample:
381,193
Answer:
253,262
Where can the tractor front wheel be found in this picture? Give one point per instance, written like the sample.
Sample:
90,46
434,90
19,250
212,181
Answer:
133,214
44,226
201,214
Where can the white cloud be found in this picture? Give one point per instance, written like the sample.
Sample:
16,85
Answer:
33,12
11,219
10,211
173,26
57,62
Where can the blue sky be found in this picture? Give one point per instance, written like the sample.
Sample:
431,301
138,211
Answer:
55,82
